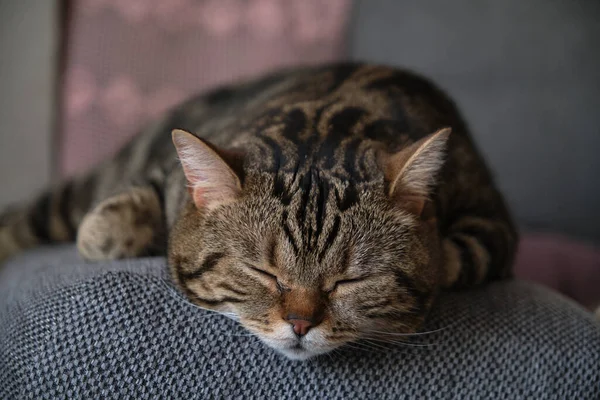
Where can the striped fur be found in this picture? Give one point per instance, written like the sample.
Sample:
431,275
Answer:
337,215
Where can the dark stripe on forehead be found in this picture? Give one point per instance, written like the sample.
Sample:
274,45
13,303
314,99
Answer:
312,208
296,124
288,232
208,264
321,213
279,187
280,191
306,185
296,174
330,237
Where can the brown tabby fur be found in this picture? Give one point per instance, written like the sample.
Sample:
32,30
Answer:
312,209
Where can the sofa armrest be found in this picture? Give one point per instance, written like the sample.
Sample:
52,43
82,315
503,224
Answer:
118,330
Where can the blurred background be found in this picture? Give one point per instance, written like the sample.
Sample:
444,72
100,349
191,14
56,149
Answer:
79,77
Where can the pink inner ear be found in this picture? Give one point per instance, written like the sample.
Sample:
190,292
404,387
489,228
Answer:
412,171
211,179
194,178
211,196
198,196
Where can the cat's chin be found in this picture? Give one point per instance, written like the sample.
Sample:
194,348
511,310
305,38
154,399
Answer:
299,354
282,339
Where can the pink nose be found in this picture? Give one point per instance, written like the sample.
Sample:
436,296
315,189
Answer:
301,326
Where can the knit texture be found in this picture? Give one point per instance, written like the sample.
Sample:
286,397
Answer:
119,330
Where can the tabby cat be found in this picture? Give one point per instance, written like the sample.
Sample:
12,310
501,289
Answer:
318,205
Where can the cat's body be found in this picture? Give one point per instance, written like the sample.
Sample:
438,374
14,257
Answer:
324,210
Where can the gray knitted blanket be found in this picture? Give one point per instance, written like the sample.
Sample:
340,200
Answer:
117,330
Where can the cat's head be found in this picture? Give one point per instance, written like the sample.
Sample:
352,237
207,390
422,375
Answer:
303,260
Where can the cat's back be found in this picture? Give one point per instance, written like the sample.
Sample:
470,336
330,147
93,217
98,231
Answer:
374,102
330,117
327,117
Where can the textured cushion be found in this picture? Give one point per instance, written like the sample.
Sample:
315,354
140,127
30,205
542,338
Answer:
117,330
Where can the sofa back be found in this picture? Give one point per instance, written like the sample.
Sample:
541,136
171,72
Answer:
525,74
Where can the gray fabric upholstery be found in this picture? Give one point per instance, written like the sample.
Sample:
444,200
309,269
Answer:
525,74
117,330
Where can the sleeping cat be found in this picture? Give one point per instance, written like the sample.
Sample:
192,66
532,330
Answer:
319,205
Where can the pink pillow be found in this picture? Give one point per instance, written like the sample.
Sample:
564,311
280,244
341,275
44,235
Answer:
128,61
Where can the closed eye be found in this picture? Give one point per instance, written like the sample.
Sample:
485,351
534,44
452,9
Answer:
280,287
345,282
262,272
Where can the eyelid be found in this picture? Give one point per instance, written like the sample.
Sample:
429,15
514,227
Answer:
280,286
346,281
262,271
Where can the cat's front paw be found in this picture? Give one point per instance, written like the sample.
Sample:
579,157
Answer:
122,226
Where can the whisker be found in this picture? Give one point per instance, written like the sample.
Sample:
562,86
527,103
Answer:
246,333
252,341
408,334
337,352
242,335
364,347
391,335
377,345
409,344
331,355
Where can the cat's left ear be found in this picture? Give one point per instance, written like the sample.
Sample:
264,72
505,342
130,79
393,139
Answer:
411,172
211,178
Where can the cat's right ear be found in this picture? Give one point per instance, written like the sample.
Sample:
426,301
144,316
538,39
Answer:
211,179
411,172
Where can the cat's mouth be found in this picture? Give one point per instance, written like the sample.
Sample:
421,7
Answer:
284,341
